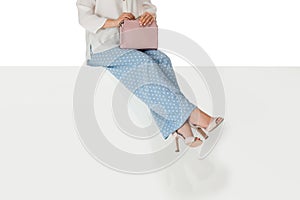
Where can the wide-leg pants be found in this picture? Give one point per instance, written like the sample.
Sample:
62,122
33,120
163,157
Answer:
149,75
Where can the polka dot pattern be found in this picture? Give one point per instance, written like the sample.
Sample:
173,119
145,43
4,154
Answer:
149,75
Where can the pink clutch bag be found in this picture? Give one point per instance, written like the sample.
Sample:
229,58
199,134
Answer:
134,36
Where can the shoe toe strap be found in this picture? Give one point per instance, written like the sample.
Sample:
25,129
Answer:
189,140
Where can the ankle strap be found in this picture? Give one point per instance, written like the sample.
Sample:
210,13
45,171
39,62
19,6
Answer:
180,134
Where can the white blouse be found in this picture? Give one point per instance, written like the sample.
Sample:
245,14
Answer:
92,15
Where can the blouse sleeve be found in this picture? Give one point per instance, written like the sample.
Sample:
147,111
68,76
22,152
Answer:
149,7
87,17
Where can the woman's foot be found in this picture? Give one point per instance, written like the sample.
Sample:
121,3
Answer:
186,130
214,123
185,133
200,119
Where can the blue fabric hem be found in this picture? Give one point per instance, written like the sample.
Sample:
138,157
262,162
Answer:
185,118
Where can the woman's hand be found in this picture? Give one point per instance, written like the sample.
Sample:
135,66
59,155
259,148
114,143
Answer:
124,16
146,18
116,22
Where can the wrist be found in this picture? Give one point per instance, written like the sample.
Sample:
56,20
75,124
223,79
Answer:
116,22
113,22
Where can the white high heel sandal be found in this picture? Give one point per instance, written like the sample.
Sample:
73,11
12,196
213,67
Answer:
214,123
190,141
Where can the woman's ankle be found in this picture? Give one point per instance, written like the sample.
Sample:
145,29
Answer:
186,130
200,118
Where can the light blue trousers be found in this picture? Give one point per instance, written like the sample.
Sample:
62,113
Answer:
149,75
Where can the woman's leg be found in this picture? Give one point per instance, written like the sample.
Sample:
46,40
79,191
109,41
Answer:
164,62
197,116
139,73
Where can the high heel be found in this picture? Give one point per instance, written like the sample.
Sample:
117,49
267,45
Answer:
214,124
200,130
211,126
190,141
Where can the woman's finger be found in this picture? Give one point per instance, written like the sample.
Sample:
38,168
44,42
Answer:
141,18
147,20
133,17
142,21
130,15
151,21
126,15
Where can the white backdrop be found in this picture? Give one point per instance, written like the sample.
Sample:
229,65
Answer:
233,32
42,49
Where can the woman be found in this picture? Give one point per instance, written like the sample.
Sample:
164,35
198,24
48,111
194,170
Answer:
148,74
